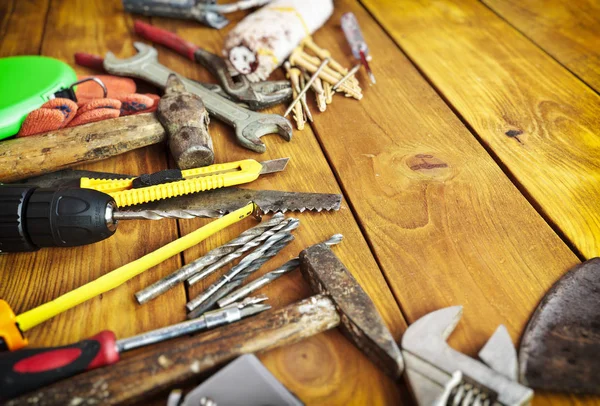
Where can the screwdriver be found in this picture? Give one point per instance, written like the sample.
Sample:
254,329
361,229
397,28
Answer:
24,370
355,38
32,217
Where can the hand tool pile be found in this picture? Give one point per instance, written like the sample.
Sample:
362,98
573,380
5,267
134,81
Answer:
73,207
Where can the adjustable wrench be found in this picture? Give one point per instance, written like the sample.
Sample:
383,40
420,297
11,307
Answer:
257,96
249,125
440,375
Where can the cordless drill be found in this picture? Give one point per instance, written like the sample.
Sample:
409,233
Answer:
32,217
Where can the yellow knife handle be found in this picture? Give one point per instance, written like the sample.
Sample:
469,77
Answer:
243,172
106,185
117,185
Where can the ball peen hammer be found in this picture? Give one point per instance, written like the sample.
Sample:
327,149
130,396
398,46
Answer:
186,132
340,301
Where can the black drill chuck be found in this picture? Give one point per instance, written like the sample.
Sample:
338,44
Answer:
31,217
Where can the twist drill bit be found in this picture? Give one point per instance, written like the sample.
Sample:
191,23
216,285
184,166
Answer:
239,279
166,214
270,276
243,264
198,276
211,257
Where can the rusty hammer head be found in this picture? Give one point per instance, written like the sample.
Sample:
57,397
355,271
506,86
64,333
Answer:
186,122
360,321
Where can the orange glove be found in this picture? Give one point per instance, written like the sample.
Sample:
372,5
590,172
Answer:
53,114
91,107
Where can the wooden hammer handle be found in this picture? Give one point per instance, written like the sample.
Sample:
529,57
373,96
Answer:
176,362
21,158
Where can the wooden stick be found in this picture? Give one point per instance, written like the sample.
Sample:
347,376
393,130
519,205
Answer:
21,158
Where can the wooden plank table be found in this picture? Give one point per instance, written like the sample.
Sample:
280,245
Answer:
470,175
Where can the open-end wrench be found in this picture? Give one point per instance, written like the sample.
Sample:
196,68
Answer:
257,96
440,375
249,125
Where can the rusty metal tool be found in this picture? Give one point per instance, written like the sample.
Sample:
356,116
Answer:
440,375
560,348
186,121
264,88
249,125
257,96
270,276
207,12
341,301
171,280
291,225
26,370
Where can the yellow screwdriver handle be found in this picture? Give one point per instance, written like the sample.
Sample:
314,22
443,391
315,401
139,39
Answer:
121,275
196,180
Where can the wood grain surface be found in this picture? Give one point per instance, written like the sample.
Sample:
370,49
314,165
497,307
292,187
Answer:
567,30
427,210
22,26
538,120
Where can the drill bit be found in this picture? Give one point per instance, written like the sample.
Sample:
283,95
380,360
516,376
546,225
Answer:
226,315
211,257
243,264
166,214
270,276
239,279
198,276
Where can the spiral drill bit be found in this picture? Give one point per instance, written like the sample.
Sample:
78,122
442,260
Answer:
239,279
243,264
198,276
270,276
211,257
154,214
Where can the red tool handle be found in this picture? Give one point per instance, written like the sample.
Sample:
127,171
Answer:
165,38
89,61
24,370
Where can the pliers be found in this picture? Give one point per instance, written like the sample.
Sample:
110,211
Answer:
256,96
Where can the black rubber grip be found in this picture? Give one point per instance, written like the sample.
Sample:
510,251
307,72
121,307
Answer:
13,224
25,370
157,178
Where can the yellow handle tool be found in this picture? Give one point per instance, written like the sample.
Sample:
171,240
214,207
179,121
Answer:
195,180
111,280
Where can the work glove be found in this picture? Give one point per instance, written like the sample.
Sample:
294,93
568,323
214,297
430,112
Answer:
91,106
